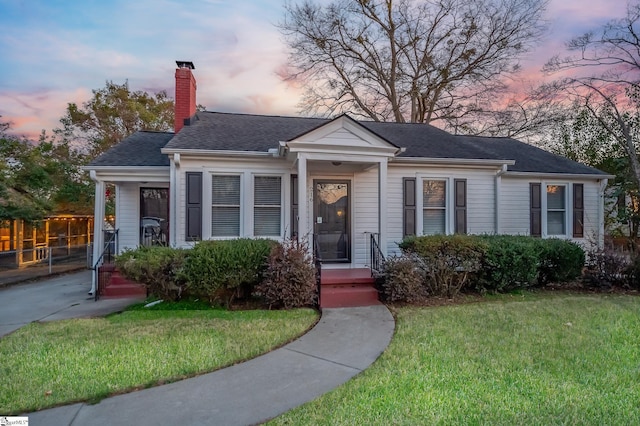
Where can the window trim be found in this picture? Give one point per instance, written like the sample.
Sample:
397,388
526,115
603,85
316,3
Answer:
448,202
545,209
281,206
241,213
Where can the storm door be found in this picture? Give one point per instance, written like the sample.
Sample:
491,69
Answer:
331,217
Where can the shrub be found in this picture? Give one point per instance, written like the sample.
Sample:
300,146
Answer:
290,277
560,261
509,262
222,271
607,268
633,272
403,280
157,268
447,260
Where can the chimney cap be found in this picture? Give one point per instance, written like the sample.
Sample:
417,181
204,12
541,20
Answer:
185,64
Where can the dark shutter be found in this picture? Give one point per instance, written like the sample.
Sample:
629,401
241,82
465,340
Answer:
409,206
460,187
578,210
194,206
294,206
536,209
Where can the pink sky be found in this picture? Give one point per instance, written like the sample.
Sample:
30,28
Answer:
54,53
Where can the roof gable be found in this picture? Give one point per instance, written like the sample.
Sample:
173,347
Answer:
342,135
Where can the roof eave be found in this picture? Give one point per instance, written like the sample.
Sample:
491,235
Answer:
555,175
217,152
454,161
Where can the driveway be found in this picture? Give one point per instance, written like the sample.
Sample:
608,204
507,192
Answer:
61,297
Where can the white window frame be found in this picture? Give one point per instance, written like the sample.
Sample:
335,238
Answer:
211,206
568,208
448,208
254,206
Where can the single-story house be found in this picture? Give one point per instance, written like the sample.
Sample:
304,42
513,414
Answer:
343,183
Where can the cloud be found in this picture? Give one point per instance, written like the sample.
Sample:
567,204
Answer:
32,112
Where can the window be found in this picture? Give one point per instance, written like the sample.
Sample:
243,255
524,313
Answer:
556,210
267,201
434,207
225,210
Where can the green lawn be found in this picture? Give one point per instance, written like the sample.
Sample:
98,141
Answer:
530,359
48,364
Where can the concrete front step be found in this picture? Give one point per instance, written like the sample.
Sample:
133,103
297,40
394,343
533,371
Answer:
342,288
345,296
346,276
120,286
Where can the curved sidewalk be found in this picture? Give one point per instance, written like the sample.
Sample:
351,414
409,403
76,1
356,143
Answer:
343,343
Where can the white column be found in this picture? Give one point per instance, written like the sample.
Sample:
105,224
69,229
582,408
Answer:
173,193
98,223
382,205
303,220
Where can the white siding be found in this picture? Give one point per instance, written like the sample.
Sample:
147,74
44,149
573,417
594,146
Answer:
591,216
365,213
246,169
128,215
480,198
128,212
515,205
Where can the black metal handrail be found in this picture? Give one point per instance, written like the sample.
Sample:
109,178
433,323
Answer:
100,278
317,259
376,258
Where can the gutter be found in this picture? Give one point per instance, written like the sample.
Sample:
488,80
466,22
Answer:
590,176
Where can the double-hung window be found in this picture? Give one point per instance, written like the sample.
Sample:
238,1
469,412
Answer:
225,209
267,206
434,210
556,210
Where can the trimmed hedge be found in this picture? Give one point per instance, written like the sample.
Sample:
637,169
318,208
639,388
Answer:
560,261
403,281
493,263
448,261
509,262
156,267
221,271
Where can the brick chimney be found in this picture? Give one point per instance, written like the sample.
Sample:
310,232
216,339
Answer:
185,101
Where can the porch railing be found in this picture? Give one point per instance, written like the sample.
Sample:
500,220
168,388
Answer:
100,276
376,258
317,259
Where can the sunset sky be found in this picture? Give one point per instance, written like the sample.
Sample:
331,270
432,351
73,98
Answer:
56,51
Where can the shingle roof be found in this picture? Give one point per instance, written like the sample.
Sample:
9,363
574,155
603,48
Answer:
241,132
245,132
138,150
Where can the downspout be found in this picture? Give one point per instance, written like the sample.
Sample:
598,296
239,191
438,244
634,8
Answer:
498,180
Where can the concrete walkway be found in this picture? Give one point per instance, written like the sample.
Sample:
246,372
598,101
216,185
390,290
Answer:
343,343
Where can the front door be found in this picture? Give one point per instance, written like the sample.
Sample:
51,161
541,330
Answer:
331,217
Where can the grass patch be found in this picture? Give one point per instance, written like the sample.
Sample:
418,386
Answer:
519,359
47,364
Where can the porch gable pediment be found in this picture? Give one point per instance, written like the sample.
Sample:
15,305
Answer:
343,136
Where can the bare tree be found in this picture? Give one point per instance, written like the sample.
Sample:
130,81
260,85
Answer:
407,60
606,80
